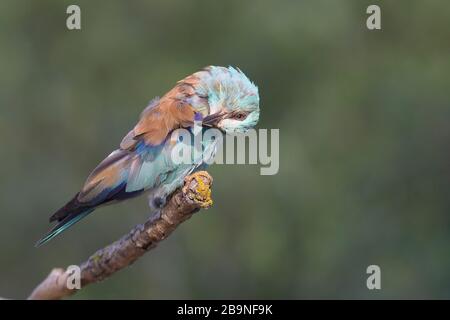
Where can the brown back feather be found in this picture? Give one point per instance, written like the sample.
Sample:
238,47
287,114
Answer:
169,113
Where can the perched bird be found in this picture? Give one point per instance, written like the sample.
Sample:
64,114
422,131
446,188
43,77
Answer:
218,97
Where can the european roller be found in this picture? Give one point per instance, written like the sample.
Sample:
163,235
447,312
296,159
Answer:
216,97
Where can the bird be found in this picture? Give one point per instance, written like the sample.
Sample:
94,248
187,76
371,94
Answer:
223,98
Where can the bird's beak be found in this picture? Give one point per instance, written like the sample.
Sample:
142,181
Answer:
212,120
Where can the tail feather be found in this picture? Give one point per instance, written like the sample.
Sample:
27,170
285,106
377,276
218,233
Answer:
69,220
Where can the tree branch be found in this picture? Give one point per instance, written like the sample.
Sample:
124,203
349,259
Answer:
195,194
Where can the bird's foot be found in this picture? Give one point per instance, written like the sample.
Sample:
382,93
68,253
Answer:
158,202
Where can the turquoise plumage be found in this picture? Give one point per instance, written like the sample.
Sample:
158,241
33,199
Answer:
223,98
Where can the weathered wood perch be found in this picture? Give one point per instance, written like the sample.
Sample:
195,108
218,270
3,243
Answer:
195,194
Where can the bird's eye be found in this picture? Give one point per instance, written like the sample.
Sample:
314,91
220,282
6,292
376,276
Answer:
240,116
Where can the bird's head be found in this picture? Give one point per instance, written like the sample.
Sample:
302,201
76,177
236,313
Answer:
231,99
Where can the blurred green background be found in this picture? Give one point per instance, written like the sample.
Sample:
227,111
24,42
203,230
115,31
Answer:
364,145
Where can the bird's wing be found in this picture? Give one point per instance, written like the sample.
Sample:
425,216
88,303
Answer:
139,164
107,178
161,117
